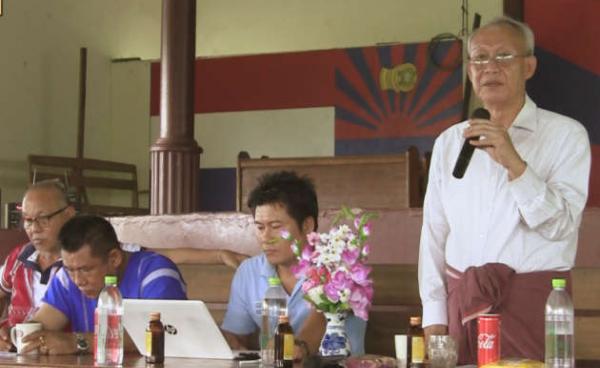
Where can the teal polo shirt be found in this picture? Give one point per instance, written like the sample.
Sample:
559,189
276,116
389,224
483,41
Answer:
248,288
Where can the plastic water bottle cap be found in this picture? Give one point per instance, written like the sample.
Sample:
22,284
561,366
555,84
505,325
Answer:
559,283
110,280
274,281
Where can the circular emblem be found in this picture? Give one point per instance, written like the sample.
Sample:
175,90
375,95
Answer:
401,78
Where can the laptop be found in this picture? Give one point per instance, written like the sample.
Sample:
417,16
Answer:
190,330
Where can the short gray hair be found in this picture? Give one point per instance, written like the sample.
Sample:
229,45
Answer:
54,185
521,28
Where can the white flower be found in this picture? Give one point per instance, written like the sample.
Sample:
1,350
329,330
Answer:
316,295
344,295
329,258
356,211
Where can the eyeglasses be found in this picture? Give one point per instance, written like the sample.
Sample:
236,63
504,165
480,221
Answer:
500,59
42,221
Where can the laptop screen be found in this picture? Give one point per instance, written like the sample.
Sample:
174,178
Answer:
190,330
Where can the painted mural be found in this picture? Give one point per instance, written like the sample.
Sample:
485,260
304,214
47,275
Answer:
385,98
389,98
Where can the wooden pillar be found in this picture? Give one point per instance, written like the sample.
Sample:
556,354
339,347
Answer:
175,156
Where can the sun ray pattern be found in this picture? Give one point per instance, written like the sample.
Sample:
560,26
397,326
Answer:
365,111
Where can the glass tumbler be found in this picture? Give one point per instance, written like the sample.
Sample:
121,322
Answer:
442,351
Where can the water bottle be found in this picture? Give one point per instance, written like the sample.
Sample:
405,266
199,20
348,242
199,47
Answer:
560,345
108,325
274,305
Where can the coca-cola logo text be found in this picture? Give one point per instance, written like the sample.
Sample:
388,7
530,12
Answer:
486,341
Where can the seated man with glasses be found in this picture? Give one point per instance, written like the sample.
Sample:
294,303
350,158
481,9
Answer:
28,268
90,251
492,241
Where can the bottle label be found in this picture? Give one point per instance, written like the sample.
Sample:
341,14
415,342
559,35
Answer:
148,343
108,337
418,349
113,333
288,347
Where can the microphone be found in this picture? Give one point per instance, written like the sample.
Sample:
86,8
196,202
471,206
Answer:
464,157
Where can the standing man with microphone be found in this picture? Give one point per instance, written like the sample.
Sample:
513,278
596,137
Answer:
495,235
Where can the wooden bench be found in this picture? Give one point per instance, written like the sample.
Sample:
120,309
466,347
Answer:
394,273
375,181
396,298
82,176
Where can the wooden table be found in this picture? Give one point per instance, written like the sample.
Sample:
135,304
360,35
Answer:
131,360
135,360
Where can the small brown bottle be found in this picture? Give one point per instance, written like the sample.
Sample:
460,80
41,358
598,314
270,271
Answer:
415,344
284,344
155,340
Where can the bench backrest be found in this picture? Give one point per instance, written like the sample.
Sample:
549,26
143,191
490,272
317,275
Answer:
82,176
375,181
396,298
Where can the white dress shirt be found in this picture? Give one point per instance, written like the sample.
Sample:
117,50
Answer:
530,223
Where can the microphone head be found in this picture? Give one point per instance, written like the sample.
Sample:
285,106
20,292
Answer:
481,113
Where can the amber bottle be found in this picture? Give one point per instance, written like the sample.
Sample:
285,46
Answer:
284,344
155,340
415,344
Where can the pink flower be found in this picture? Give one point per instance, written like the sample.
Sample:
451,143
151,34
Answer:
313,276
339,281
309,284
342,279
366,230
350,256
360,274
301,268
331,291
357,222
307,252
313,238
286,235
360,301
366,250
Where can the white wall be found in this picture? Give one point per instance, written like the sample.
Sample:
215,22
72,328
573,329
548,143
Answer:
275,133
40,41
239,27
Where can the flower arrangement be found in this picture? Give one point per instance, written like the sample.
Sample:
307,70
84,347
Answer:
332,264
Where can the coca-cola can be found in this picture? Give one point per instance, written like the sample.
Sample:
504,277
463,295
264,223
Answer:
488,339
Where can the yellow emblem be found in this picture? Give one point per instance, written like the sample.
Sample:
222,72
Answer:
401,78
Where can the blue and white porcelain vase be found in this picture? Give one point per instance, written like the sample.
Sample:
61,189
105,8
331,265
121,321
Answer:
335,341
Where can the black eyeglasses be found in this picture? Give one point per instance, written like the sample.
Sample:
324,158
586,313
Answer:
42,221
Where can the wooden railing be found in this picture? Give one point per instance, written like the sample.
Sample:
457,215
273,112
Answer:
82,175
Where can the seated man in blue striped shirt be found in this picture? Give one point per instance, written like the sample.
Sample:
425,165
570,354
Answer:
90,250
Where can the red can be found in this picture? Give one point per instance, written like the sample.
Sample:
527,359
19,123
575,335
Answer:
488,339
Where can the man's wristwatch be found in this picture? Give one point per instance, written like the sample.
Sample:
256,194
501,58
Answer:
82,345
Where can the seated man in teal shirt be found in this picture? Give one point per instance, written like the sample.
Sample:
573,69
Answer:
281,201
